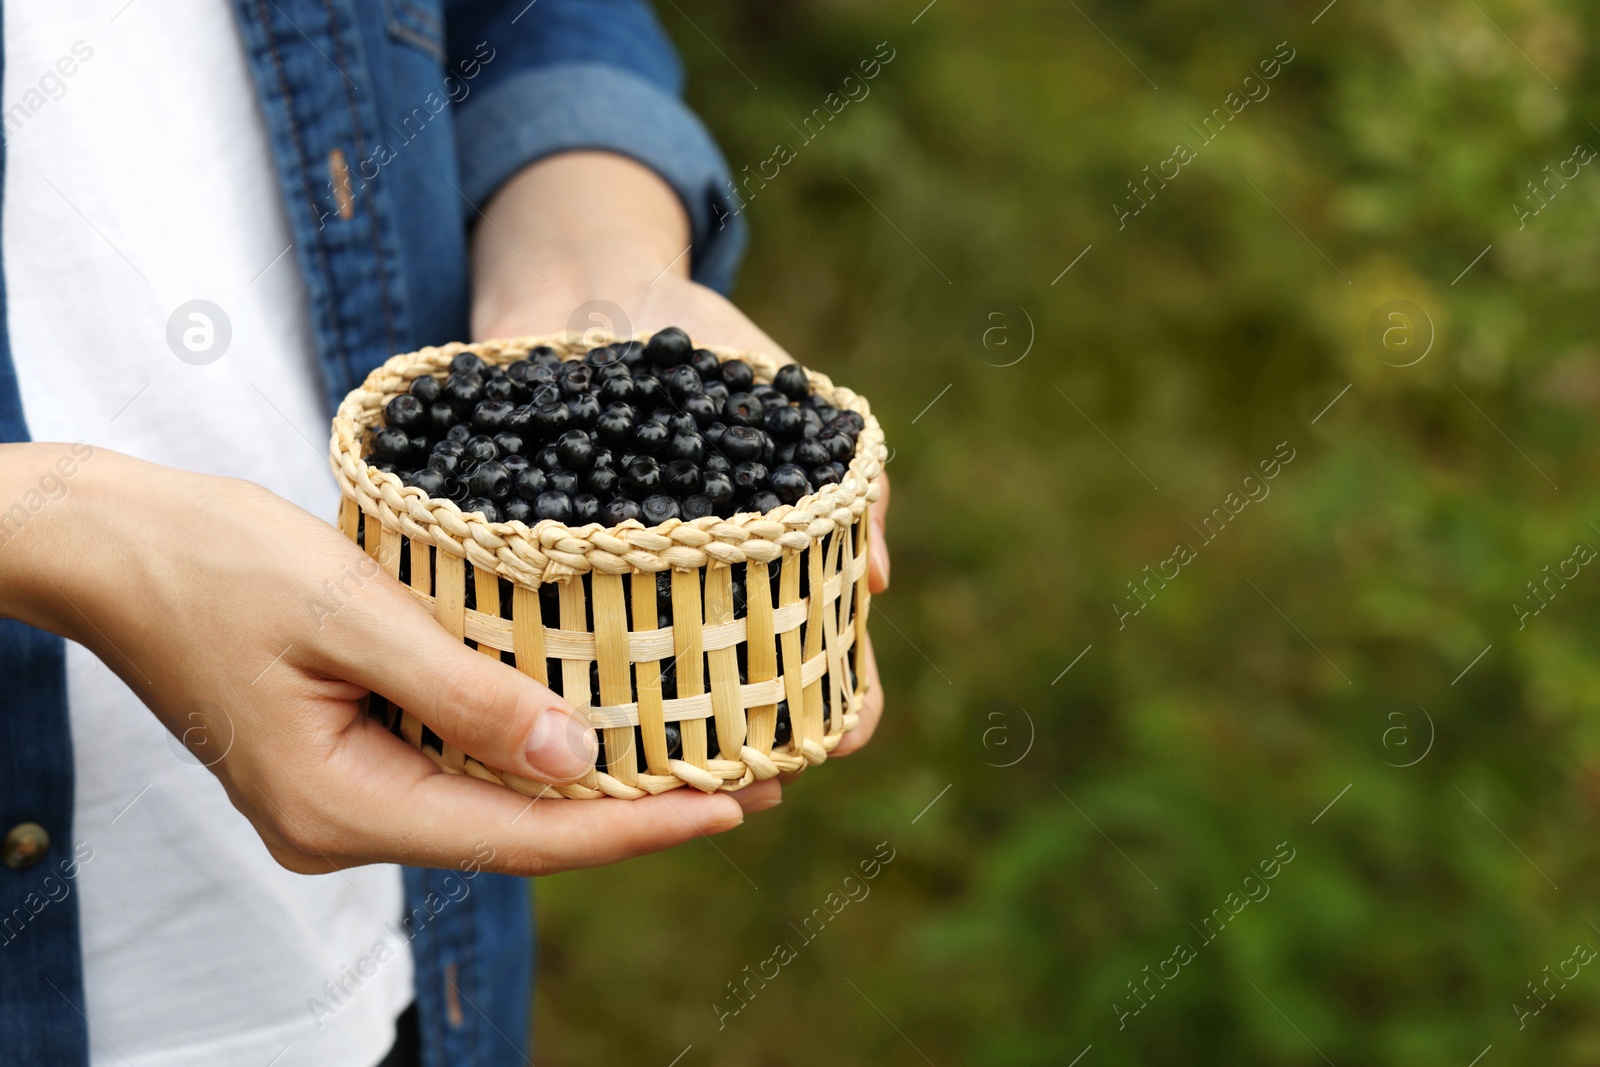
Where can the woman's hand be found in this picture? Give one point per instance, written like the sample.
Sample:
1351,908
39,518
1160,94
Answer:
584,239
253,630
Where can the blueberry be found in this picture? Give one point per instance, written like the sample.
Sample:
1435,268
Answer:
631,353
618,390
840,448
674,741
430,481
521,422
659,508
682,382
510,444
647,391
585,411
717,486
602,357
479,449
486,508
574,378
705,363
500,388
702,409
490,480
565,481
696,507
427,390
785,729
718,393
643,476
391,444
682,422
530,483
491,416
514,463
546,458
441,417
742,443
792,382
445,462
458,433
749,477
518,371
824,475
714,433
405,412
586,508
716,461
783,454
789,482
463,391
516,510
551,419
619,510
575,449
651,435
743,409
681,477
544,356
614,427
603,482
690,446
784,424
738,374
811,453
668,347
546,393
604,459
467,363
555,506
762,502
455,489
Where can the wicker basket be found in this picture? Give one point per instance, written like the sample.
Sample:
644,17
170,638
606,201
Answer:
490,584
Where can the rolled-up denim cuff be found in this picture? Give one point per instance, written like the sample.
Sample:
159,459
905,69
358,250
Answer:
597,106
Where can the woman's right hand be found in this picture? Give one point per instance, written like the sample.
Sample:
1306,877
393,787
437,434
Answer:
247,624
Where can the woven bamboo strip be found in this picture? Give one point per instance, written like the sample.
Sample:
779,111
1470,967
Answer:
793,661
349,517
832,682
812,735
649,644
575,672
724,664
421,581
449,608
761,658
688,664
846,615
527,634
863,603
616,683
486,588
389,551
652,720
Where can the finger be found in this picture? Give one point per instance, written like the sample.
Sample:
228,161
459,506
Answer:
403,810
878,549
759,796
871,710
482,706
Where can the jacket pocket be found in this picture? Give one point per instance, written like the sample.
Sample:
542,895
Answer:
417,23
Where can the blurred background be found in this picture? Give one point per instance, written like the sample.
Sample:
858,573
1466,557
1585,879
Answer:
1378,258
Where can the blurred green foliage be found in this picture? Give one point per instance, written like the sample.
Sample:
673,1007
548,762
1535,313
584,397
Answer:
1293,658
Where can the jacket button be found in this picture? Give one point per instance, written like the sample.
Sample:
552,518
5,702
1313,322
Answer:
24,846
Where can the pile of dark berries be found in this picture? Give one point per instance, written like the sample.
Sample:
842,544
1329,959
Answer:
649,431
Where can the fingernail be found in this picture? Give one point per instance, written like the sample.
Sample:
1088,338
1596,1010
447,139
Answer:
561,745
761,804
722,826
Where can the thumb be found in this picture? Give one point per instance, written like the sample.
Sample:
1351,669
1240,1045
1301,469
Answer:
482,706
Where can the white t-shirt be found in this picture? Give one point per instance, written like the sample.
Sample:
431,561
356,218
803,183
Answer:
139,177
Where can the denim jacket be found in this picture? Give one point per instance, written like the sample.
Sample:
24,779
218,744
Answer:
392,122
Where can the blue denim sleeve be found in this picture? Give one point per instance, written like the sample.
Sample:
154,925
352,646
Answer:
588,74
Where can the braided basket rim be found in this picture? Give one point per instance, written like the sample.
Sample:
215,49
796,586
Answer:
553,551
